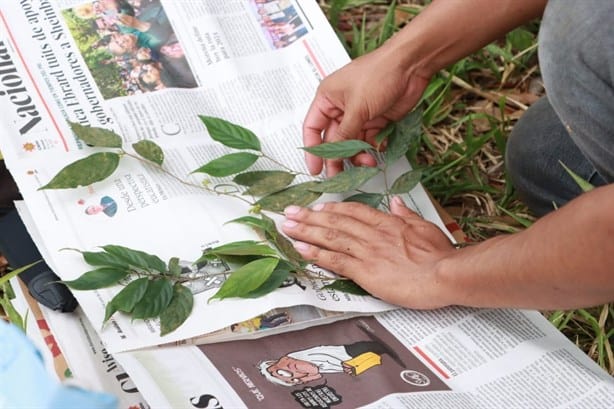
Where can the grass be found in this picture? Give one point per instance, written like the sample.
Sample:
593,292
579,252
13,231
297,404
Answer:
469,110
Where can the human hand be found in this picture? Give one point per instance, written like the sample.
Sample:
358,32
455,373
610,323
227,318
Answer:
357,101
392,256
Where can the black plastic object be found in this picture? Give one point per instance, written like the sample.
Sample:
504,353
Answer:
17,247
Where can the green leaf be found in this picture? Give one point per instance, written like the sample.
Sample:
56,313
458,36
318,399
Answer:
406,182
173,266
582,184
136,258
346,286
244,248
339,150
247,278
150,151
260,225
384,133
12,314
347,180
155,300
263,182
407,131
99,278
228,164
86,171
178,310
300,195
127,298
370,199
105,259
99,137
5,278
229,134
277,277
282,244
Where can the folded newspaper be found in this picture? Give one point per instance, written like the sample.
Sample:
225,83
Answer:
146,69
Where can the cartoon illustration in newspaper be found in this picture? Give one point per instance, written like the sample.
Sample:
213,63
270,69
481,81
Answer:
346,364
129,46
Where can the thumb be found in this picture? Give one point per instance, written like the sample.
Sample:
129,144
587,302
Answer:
398,208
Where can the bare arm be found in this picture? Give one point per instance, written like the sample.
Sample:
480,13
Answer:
357,101
563,261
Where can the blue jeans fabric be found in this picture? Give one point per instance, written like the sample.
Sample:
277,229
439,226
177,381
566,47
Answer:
574,122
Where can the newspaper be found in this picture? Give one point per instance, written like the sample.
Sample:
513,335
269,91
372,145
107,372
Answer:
229,59
454,357
232,59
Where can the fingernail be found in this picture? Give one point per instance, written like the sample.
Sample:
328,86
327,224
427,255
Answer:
301,247
290,224
292,210
318,207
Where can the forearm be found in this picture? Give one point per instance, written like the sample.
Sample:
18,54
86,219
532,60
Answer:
448,30
562,261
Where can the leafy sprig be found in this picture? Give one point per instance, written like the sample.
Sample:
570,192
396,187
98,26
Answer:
158,289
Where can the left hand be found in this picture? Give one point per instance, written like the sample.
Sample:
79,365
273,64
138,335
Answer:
393,256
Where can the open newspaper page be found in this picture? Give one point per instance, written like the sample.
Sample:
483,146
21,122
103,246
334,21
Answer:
148,72
448,358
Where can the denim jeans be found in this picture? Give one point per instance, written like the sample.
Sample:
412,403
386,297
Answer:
574,122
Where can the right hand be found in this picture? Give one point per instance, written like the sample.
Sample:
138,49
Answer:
357,102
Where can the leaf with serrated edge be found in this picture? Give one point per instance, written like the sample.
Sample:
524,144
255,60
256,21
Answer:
346,286
95,279
247,278
229,134
99,137
136,258
300,195
149,150
86,171
178,310
127,298
370,199
339,150
347,180
155,300
406,182
228,164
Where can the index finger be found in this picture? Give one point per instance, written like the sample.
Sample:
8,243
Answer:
318,118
